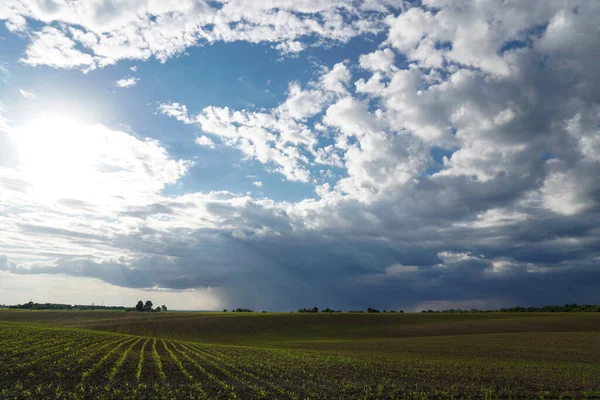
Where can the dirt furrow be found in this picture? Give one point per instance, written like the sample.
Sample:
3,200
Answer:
100,371
251,379
175,369
215,382
126,370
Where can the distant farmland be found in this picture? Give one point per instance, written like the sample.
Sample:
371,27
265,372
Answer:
98,354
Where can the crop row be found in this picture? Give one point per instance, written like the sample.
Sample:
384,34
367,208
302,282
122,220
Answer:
37,362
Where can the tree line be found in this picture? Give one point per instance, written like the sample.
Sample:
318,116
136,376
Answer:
141,306
329,310
147,307
565,308
56,306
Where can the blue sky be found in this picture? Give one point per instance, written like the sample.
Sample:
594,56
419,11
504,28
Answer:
238,75
290,153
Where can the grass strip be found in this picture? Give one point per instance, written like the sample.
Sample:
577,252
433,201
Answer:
138,372
157,361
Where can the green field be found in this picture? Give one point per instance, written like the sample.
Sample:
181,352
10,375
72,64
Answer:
97,354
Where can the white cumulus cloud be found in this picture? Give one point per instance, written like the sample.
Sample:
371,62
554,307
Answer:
205,141
127,82
142,29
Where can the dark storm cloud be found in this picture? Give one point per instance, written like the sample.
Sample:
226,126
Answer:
294,269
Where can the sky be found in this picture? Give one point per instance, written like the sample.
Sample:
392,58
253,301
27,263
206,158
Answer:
282,154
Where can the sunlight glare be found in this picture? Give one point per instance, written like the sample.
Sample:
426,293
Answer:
58,156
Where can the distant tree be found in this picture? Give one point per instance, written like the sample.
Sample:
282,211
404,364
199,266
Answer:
312,310
139,306
148,306
224,310
372,310
164,308
157,309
